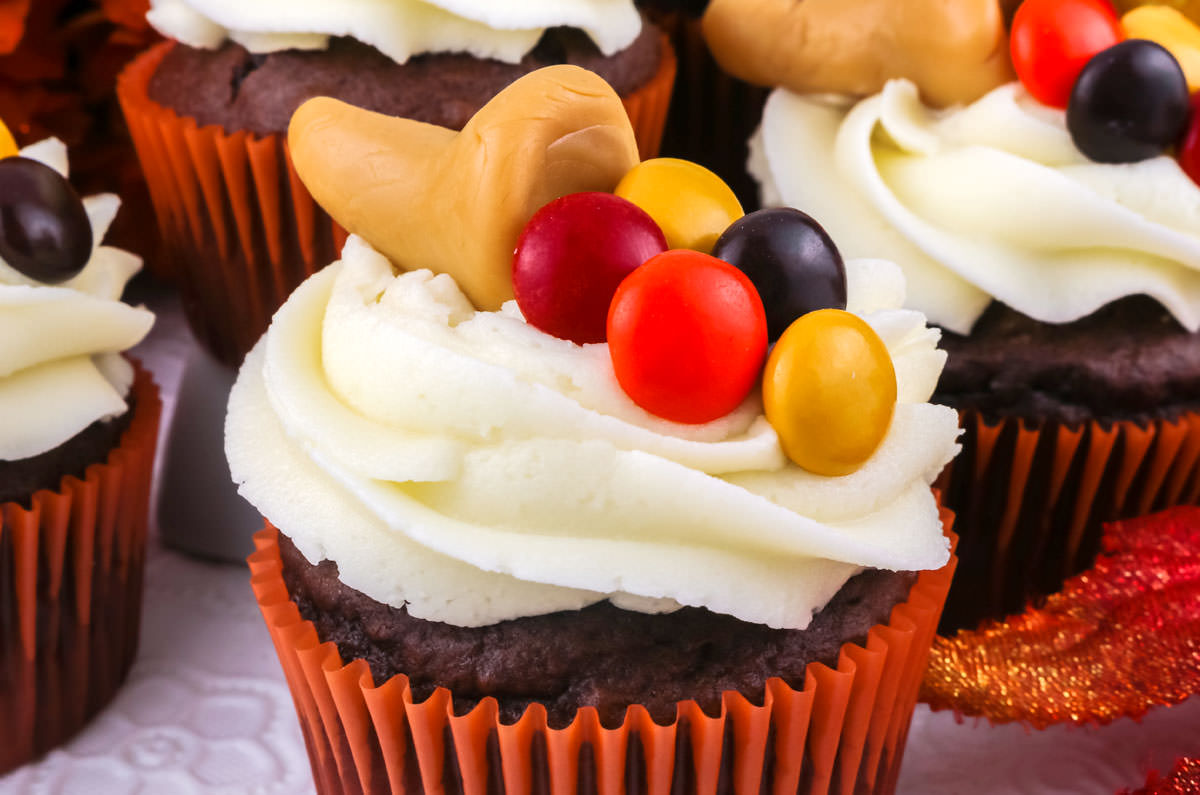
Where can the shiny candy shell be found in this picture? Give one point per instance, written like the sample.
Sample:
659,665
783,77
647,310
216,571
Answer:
1172,30
829,391
45,232
8,144
691,204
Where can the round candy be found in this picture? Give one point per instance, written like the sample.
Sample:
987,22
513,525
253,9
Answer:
44,231
8,144
687,335
1051,40
689,203
790,259
571,257
829,391
1189,147
1130,103
1171,29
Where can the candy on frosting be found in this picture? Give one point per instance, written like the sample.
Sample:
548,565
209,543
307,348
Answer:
987,201
429,197
400,29
955,50
476,469
60,368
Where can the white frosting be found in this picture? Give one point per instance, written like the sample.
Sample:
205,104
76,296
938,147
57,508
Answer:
476,469
988,201
60,368
502,29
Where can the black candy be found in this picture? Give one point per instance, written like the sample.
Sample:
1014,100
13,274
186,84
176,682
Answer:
44,231
1129,103
790,259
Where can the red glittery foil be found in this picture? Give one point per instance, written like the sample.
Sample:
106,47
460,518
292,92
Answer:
1119,639
1184,780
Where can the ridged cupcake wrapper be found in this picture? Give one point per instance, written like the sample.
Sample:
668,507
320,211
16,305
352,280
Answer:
844,732
71,591
1031,499
238,224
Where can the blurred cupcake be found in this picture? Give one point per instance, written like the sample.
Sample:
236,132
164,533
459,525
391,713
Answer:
78,424
494,567
208,112
1070,289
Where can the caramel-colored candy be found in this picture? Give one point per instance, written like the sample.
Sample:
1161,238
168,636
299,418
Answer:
1172,30
954,50
428,197
1189,8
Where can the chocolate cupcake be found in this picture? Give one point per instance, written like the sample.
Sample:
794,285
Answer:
78,424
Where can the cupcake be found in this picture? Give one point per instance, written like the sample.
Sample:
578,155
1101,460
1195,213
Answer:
488,563
1069,288
78,424
208,113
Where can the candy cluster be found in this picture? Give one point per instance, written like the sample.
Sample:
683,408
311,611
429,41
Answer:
1125,82
689,292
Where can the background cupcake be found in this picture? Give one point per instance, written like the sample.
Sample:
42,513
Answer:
78,424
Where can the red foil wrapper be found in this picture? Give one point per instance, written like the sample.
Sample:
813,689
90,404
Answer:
71,591
1184,780
844,732
241,230
1031,499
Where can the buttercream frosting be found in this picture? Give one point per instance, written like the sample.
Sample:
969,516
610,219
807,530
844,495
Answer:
60,363
987,201
400,29
475,469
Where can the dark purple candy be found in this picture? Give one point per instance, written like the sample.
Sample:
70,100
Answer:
44,231
790,259
1129,103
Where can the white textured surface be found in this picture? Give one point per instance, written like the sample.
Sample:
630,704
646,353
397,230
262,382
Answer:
206,709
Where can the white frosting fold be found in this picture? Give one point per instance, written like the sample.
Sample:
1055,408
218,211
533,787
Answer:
988,201
400,29
475,469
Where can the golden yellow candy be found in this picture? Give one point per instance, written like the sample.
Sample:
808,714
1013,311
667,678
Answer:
8,144
1172,30
1189,8
691,205
829,391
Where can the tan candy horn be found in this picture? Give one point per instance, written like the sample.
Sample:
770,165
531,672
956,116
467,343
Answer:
427,197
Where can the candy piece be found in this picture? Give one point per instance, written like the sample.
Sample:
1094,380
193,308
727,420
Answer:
1130,103
687,335
1189,147
456,203
790,259
692,205
829,390
8,144
44,230
1171,29
954,50
571,257
1052,40
1189,8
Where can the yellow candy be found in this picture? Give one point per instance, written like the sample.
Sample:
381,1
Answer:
1189,8
691,205
1172,30
8,144
829,391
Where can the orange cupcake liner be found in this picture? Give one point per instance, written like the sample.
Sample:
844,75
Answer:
1031,499
71,591
844,732
240,228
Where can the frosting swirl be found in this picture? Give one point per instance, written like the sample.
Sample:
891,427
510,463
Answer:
60,364
399,29
991,200
475,469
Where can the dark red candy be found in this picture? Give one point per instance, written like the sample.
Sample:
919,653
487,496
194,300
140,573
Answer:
1129,103
1189,147
44,231
790,259
571,257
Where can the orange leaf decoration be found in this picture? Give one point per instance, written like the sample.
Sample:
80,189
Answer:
1184,780
1117,640
12,23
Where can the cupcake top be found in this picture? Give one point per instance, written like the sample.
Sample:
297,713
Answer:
64,328
400,29
474,468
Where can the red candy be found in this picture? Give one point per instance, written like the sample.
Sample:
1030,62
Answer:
1189,147
571,257
1052,40
687,334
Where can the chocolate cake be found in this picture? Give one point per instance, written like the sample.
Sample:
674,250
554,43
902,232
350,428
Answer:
601,655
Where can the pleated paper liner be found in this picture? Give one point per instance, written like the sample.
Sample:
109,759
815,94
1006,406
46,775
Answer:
71,591
241,229
1031,498
844,732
